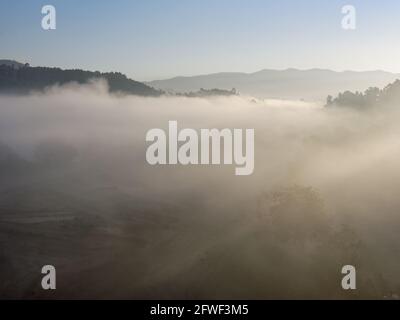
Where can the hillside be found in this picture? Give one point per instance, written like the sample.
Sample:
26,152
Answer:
11,63
372,97
19,78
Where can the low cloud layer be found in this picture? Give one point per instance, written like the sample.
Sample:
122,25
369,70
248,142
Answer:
75,184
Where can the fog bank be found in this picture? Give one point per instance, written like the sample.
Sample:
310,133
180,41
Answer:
76,191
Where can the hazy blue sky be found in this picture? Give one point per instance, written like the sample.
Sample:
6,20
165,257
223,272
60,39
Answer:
151,39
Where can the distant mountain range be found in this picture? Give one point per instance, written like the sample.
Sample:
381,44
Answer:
313,84
293,84
20,78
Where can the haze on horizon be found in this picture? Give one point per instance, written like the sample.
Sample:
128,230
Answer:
158,39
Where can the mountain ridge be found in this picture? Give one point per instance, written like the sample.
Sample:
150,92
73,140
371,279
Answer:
18,78
291,83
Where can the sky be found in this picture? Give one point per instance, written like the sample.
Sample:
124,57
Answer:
157,39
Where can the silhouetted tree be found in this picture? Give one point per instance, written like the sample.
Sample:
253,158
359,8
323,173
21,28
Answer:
372,97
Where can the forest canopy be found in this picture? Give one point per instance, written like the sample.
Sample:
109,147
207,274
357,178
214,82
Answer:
372,97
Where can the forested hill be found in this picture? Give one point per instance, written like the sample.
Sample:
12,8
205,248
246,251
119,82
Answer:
372,97
25,79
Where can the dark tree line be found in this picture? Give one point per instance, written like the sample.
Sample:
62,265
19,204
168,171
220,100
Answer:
372,97
26,79
210,93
